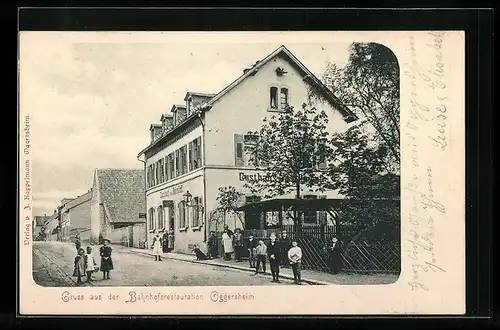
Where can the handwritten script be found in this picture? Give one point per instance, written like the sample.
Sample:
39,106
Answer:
427,113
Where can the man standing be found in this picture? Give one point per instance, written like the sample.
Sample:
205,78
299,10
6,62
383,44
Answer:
285,245
274,254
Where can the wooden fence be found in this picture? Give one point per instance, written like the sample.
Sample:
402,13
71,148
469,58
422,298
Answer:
355,254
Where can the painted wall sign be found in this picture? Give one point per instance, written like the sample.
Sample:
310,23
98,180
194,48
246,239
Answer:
254,177
171,191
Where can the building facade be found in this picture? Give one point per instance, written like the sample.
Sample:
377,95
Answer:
201,146
39,226
75,217
117,206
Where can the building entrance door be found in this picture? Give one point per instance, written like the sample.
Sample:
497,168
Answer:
170,217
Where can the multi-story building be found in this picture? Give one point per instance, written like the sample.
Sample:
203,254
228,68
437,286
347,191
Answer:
75,217
200,145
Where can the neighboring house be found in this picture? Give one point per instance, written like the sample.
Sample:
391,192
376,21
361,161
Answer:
51,227
75,217
118,206
38,226
201,146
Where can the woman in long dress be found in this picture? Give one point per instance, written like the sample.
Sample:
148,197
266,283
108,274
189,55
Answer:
171,238
157,246
227,242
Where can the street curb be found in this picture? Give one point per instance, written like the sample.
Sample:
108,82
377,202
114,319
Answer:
309,281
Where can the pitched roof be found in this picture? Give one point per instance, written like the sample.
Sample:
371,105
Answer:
204,95
178,106
78,200
349,116
122,193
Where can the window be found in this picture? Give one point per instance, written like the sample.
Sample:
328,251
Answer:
273,101
250,142
195,203
154,174
171,161
162,170
195,154
184,160
182,215
151,219
272,219
161,218
246,150
177,163
283,98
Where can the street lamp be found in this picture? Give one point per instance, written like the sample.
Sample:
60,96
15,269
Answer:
187,197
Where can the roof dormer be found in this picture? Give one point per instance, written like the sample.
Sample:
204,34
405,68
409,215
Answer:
155,130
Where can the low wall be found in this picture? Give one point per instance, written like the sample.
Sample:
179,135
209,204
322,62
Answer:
119,236
139,235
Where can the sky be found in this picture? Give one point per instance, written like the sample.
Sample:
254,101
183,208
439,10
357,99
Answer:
92,98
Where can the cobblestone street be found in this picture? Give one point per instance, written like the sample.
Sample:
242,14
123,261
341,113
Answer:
53,266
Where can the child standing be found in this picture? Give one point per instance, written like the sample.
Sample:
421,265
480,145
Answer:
91,264
106,261
212,245
79,269
260,253
251,245
295,258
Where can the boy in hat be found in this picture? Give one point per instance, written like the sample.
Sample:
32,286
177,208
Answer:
274,253
106,261
251,246
295,258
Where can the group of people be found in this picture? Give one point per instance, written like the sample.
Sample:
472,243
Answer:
86,265
281,252
162,243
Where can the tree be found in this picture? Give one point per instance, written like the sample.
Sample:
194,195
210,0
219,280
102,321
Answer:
367,164
369,85
291,148
364,175
227,202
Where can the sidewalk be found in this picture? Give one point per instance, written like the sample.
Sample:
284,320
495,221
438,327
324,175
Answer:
308,276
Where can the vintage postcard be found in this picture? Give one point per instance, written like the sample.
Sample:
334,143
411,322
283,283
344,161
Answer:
233,173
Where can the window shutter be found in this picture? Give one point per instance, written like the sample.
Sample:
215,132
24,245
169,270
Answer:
198,152
190,156
238,149
179,215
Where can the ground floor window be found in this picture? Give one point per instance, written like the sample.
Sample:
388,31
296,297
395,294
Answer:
182,215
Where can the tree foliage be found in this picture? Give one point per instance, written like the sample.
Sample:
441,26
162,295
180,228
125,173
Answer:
369,85
290,146
227,199
365,177
366,170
